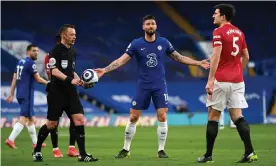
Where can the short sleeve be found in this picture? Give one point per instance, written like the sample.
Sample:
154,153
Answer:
170,49
46,63
217,38
131,49
15,69
32,67
54,59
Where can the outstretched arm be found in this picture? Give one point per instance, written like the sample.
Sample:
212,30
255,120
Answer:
113,65
117,63
188,61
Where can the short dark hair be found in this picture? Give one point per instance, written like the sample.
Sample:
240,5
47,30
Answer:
29,47
65,27
226,9
148,17
57,38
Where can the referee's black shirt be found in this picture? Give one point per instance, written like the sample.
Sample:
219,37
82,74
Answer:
64,59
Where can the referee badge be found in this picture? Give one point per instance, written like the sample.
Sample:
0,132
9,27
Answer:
52,63
64,64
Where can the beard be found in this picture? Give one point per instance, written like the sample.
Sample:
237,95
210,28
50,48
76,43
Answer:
216,23
150,32
34,58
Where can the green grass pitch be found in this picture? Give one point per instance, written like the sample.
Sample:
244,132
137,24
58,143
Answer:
184,145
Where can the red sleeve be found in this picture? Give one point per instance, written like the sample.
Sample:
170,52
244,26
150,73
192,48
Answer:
46,63
244,45
217,38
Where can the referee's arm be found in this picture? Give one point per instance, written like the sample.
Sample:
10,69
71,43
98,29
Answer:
55,72
54,66
58,74
76,76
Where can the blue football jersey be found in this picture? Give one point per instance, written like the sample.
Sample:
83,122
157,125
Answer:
25,69
150,59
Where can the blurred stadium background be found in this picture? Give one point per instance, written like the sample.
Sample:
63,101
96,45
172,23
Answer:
104,30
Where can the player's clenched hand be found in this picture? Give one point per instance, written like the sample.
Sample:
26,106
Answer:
9,99
100,72
205,64
209,87
77,82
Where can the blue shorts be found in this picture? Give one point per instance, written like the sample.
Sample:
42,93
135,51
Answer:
27,107
143,97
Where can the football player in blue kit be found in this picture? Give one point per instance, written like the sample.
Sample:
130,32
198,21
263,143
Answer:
150,52
23,80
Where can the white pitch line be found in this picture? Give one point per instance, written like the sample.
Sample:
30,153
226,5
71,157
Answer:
87,136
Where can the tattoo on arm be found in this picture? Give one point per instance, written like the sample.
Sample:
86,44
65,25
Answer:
112,66
117,63
176,56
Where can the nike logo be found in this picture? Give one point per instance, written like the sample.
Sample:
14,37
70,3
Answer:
143,49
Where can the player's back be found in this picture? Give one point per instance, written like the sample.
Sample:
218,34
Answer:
24,70
233,42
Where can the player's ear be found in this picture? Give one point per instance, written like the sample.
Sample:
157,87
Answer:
62,35
224,18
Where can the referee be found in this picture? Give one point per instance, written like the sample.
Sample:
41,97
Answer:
62,93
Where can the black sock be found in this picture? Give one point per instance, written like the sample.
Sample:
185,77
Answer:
211,134
42,135
244,132
80,138
54,137
72,134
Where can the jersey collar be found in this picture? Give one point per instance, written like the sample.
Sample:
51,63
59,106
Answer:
148,41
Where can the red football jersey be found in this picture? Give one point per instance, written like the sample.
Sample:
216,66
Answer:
233,42
46,63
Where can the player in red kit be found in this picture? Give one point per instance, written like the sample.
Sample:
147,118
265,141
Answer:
225,86
46,61
72,151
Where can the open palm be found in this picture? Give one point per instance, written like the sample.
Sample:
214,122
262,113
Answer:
205,64
100,72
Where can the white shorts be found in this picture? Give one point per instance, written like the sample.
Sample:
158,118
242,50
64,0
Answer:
226,94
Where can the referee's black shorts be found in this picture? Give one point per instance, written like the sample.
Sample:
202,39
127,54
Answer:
62,98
